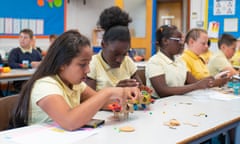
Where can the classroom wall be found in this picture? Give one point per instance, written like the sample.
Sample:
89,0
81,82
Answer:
79,16
137,11
198,18
84,18
197,13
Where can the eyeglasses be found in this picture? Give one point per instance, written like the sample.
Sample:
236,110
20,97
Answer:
177,39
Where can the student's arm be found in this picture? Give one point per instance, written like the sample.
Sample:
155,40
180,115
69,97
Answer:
163,90
35,64
13,59
190,78
89,92
134,80
231,70
91,82
137,77
220,82
128,83
73,118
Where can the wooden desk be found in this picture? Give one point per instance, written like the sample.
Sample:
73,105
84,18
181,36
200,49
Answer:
16,74
219,116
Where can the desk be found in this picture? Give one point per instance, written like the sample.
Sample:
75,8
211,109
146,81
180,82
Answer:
16,74
149,128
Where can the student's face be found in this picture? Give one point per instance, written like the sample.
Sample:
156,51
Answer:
229,50
115,52
76,71
175,43
25,41
201,44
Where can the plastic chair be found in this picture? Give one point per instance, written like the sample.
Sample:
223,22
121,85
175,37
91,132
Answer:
7,105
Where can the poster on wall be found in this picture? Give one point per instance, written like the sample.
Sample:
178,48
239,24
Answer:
43,17
231,25
224,7
213,29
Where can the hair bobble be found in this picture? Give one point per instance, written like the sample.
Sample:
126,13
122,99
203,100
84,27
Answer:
161,29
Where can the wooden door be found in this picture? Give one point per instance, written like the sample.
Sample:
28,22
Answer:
168,10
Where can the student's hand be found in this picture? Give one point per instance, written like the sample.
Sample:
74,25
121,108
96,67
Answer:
205,83
222,74
128,83
220,82
131,93
35,64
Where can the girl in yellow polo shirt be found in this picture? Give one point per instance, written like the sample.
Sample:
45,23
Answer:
57,92
168,74
197,44
112,66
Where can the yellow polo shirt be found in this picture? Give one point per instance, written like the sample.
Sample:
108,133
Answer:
52,85
206,56
236,58
217,63
106,76
195,64
175,71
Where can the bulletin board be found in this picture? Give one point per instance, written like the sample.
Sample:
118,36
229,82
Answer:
44,17
224,15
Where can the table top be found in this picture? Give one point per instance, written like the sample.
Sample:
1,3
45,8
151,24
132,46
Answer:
199,113
197,117
15,74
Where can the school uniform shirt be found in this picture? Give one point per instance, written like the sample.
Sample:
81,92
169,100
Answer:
48,86
236,58
195,64
217,63
175,71
18,55
106,76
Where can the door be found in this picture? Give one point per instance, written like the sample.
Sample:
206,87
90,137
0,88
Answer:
169,12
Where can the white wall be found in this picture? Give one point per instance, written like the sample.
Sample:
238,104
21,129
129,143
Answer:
85,17
197,13
137,11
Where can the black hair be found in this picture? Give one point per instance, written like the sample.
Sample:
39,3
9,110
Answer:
27,31
66,47
209,42
114,21
164,31
226,39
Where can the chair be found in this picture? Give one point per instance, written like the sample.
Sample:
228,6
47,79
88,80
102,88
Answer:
7,105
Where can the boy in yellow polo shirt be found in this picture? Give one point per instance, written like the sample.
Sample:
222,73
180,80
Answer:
220,60
235,60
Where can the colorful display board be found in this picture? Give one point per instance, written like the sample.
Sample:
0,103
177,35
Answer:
223,17
44,17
